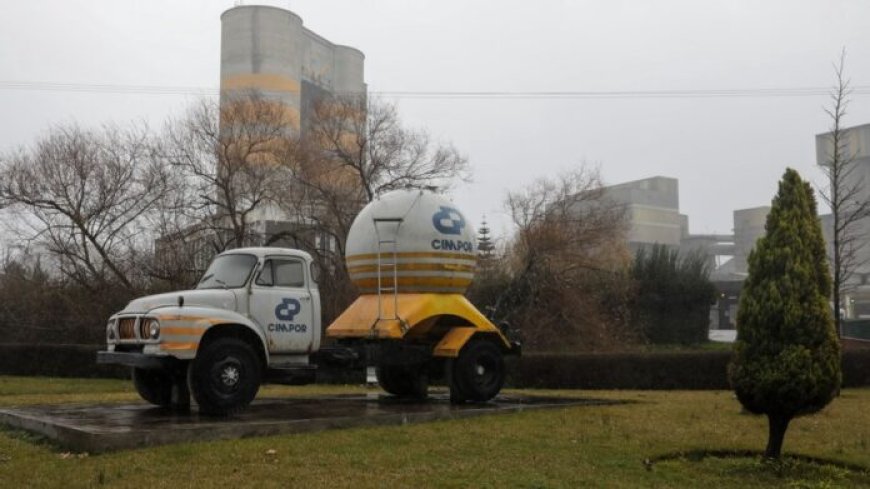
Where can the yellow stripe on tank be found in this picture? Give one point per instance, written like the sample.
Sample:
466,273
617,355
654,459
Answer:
414,267
413,254
415,282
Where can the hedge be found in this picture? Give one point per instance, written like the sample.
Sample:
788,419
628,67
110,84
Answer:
682,370
660,370
657,371
56,361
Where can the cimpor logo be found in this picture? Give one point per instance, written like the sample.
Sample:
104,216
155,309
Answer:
448,221
287,309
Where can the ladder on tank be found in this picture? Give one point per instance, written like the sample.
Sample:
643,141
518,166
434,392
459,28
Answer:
388,269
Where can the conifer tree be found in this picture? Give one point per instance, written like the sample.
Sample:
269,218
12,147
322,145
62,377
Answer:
787,357
485,246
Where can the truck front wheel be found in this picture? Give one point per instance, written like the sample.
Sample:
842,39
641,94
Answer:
403,380
477,374
154,386
224,377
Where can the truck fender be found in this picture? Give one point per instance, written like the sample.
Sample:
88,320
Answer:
182,328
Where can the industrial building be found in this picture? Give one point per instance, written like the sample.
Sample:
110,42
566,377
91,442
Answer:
652,206
856,149
269,50
653,213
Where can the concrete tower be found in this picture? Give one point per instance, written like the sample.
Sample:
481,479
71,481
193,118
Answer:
267,49
856,301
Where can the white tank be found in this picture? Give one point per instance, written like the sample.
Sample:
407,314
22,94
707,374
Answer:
418,235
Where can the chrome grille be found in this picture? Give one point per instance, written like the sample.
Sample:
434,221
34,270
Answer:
144,332
127,328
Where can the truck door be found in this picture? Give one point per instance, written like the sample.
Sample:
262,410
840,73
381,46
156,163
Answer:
282,304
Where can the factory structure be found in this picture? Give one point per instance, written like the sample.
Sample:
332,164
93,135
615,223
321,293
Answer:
856,303
268,50
267,53
653,210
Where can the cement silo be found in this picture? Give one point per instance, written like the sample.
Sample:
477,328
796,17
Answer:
748,228
268,50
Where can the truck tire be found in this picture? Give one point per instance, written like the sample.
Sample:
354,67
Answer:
154,386
477,374
408,381
224,377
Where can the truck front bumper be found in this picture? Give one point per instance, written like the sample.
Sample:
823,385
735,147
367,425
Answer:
134,359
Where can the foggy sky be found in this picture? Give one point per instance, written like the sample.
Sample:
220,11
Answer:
727,152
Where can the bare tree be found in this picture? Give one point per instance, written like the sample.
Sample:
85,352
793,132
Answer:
245,162
181,228
568,221
81,195
231,154
845,195
366,138
356,149
569,262
352,150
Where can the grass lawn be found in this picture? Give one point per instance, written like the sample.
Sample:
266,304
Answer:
572,447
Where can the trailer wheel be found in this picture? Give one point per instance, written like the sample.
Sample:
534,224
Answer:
154,386
477,374
224,377
408,381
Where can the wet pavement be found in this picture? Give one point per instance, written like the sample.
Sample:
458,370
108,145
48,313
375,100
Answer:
100,428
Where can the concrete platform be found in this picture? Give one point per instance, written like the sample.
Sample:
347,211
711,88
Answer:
100,428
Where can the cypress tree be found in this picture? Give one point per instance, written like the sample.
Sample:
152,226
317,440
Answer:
787,357
485,246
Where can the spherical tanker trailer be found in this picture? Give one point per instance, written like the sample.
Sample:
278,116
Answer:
412,255
254,317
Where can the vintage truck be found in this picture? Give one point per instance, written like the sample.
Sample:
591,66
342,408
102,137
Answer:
255,317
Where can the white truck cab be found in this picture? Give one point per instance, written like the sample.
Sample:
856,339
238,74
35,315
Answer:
252,308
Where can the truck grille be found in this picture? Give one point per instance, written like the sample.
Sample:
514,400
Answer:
144,332
127,328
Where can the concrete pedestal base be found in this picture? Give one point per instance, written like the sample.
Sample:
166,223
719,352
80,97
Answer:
103,428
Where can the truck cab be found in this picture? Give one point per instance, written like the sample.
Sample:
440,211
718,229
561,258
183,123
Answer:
255,313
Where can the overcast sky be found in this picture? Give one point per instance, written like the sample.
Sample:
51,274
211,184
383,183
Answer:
727,152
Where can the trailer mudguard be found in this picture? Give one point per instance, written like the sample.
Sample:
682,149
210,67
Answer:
404,315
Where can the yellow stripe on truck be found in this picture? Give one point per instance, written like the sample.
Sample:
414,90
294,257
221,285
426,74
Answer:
181,317
179,331
178,346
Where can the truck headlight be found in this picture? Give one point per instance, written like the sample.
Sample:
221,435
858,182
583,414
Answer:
154,329
110,331
149,329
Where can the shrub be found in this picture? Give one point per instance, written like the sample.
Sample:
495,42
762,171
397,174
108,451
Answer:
674,295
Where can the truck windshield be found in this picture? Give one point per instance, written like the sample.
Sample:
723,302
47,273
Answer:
227,272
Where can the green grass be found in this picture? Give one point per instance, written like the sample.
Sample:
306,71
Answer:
603,446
